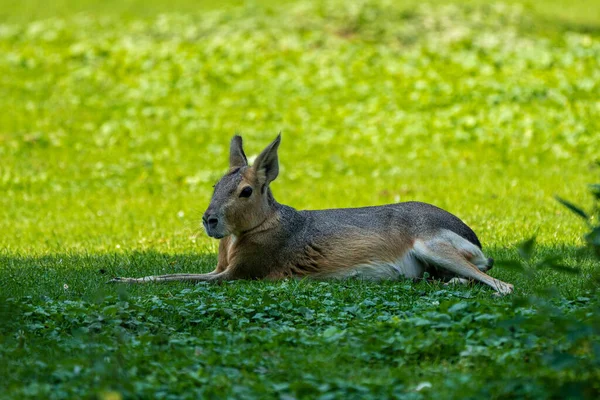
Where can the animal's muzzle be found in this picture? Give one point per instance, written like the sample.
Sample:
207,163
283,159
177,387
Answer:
211,223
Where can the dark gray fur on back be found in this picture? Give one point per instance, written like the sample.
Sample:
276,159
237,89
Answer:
419,218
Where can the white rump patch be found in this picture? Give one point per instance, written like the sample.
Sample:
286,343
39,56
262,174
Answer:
467,248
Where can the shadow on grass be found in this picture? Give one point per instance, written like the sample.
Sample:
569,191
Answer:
78,275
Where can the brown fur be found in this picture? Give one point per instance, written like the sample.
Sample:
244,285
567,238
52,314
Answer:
262,239
356,248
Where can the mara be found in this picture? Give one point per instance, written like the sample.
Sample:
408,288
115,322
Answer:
262,239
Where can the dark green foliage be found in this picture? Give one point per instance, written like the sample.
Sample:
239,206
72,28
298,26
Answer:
302,339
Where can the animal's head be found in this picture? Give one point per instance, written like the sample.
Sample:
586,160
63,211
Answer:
242,199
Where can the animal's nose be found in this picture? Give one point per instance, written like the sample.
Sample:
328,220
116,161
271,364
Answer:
210,221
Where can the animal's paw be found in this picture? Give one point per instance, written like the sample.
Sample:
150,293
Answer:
457,281
121,280
502,289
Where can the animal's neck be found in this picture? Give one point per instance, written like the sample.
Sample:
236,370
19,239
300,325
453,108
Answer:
270,199
275,216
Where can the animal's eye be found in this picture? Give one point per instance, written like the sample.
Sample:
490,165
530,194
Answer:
246,192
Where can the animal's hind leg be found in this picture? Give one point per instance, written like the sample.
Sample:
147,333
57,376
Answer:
442,253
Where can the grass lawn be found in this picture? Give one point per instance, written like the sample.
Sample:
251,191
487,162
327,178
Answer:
115,123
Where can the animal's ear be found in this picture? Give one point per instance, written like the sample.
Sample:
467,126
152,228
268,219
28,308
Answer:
237,158
267,163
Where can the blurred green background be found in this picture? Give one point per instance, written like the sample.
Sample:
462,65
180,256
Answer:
582,12
117,114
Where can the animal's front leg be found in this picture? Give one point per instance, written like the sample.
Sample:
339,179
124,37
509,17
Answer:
210,277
